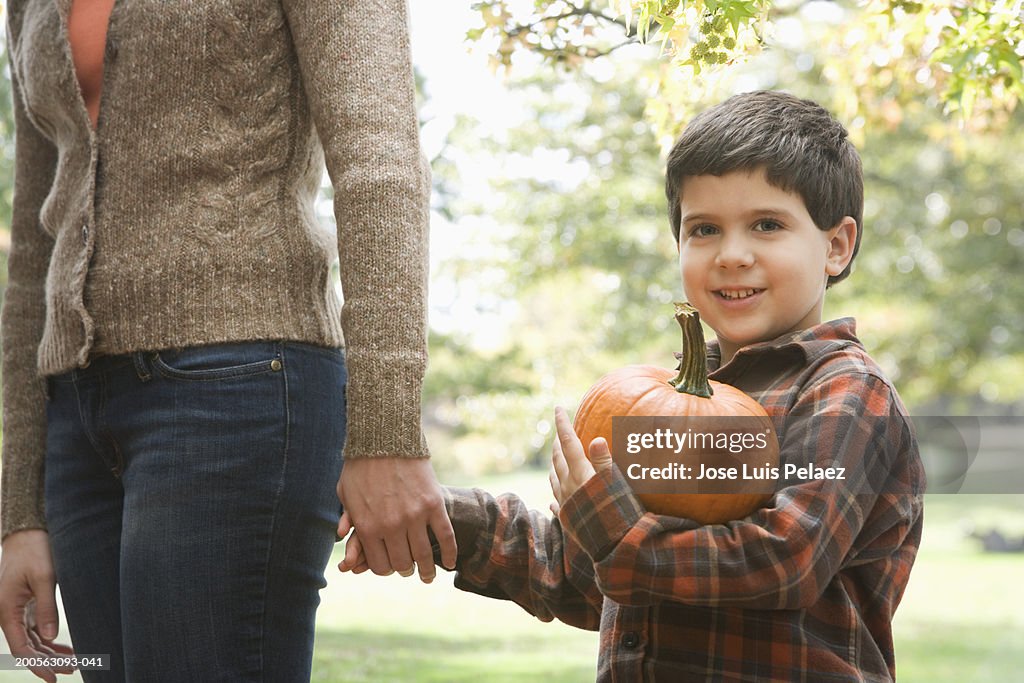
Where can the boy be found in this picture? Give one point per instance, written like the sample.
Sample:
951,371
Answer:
765,200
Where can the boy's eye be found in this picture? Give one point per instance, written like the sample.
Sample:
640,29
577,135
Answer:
703,230
767,226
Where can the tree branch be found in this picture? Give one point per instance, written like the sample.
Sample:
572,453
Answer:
586,10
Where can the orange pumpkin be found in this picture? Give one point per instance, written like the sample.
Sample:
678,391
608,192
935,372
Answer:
650,391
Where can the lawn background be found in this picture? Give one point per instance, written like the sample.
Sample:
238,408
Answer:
961,620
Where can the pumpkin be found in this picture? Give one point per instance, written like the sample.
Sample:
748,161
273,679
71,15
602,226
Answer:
651,391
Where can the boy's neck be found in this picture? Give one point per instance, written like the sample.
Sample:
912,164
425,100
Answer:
728,350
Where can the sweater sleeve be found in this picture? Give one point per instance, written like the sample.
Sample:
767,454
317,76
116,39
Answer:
21,329
356,70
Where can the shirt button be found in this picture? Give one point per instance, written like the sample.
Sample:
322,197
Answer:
630,640
85,233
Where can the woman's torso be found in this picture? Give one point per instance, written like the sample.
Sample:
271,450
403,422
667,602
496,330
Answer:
183,215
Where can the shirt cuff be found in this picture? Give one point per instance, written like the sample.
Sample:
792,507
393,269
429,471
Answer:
601,512
468,514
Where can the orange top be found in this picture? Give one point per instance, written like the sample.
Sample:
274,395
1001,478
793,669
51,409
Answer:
87,34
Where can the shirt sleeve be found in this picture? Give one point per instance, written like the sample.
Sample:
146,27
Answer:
356,68
509,552
784,555
23,319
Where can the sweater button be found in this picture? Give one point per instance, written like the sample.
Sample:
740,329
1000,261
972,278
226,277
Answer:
630,640
85,233
111,49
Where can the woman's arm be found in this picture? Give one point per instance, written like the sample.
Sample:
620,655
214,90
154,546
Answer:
23,319
356,69
28,608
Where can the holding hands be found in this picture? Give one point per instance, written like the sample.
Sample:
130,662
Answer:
396,502
570,469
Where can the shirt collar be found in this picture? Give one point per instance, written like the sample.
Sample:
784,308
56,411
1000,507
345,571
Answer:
811,342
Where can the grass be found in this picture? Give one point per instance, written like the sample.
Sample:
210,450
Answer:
393,629
961,620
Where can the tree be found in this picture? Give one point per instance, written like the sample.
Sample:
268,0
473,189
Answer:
584,251
881,56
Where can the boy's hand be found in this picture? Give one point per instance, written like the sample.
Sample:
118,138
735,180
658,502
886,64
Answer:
570,468
355,558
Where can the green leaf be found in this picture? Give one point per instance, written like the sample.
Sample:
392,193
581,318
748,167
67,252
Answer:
1007,56
964,59
967,99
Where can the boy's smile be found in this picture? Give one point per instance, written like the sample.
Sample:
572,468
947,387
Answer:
752,260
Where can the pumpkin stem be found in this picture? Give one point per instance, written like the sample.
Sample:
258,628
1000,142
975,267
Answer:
693,366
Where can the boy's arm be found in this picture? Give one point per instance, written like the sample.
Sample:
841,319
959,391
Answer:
509,552
783,556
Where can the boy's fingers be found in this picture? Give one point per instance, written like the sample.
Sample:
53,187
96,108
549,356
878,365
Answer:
558,464
600,455
571,447
554,507
562,424
444,534
556,488
344,525
353,554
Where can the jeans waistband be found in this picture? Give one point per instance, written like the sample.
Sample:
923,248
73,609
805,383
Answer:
101,364
142,361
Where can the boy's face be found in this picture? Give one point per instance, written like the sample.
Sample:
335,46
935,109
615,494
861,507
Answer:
753,262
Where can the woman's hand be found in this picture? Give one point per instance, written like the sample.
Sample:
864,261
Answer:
28,603
395,503
570,467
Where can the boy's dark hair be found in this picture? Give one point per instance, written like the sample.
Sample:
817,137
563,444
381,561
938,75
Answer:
797,142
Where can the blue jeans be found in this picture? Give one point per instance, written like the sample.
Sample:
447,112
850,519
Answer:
191,506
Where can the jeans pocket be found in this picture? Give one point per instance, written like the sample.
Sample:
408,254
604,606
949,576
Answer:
218,361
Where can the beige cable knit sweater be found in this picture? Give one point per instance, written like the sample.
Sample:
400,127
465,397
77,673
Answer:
186,217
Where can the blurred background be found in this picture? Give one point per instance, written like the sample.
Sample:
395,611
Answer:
546,124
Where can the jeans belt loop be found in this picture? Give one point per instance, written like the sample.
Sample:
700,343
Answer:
141,368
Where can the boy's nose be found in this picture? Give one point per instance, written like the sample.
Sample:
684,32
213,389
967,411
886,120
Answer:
734,252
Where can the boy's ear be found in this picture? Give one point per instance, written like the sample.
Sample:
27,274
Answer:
841,239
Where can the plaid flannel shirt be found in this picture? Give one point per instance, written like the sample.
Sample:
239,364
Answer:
802,590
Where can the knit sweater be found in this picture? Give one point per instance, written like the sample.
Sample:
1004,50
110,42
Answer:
186,216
